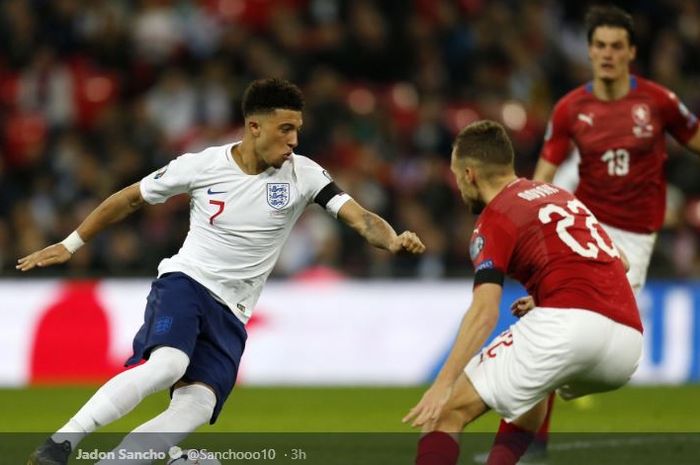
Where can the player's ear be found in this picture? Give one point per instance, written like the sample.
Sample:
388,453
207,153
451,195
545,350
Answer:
633,52
253,125
469,174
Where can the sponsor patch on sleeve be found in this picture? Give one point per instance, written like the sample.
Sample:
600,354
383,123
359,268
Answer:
485,265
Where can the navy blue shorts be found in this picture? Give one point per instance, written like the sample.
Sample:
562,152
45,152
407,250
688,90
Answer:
181,313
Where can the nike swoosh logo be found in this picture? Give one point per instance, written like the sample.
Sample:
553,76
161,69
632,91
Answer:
211,192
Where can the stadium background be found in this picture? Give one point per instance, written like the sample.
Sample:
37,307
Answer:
95,95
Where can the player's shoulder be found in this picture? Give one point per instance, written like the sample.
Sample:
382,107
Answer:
529,190
304,166
519,205
654,89
307,174
506,201
525,194
567,104
303,161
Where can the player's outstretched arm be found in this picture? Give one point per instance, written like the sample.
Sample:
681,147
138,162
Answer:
113,209
544,171
377,231
477,324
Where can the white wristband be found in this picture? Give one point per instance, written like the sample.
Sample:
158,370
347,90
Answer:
73,242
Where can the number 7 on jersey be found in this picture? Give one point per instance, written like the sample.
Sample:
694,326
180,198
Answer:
220,204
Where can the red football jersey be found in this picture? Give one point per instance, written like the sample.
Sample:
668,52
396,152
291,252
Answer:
623,150
548,240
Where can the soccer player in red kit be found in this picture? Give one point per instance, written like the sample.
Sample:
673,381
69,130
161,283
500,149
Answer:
583,336
618,122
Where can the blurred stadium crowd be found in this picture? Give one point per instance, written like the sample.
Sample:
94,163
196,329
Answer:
96,94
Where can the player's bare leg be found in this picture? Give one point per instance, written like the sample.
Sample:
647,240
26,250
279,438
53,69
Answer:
439,445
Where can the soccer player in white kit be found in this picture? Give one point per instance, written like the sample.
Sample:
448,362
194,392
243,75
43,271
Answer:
245,198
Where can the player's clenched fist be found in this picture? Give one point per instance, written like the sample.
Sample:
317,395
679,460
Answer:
51,255
407,240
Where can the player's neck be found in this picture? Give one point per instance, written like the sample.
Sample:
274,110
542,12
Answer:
607,90
489,190
244,156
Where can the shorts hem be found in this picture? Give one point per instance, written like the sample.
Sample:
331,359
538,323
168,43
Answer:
145,353
480,388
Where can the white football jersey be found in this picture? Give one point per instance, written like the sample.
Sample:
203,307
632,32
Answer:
238,222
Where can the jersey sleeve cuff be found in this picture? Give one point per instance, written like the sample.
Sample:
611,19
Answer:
144,194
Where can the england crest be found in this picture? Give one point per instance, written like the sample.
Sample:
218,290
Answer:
278,194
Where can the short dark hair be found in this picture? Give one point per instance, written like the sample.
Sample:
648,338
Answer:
609,15
487,143
268,95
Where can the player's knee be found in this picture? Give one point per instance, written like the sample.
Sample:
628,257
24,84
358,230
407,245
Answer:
195,401
169,364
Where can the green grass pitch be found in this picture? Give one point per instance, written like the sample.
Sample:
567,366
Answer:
361,409
640,425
